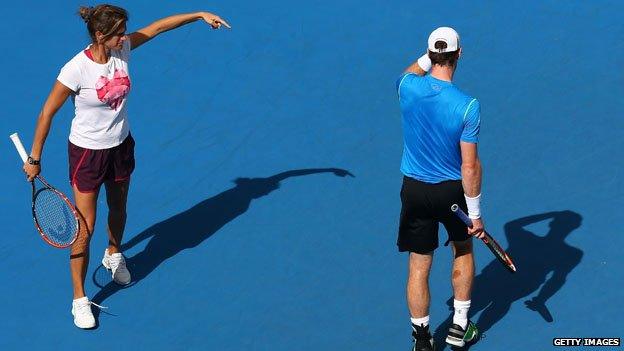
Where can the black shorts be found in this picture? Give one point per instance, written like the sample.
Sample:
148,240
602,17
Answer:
424,207
89,169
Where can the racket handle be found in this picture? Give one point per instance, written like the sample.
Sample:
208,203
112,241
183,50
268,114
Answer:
19,146
462,215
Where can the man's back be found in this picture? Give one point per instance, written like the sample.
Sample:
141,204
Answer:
436,116
441,167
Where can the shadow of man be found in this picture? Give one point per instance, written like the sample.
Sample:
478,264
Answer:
190,228
543,264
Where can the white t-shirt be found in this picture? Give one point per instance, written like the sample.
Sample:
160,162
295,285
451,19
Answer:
101,91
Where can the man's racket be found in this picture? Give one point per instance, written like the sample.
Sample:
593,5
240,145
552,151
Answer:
496,249
55,217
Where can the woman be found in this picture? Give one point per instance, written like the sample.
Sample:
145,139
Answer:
101,149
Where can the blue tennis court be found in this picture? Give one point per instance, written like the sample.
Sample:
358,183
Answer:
263,211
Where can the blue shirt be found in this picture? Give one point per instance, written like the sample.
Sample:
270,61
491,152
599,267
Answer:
436,116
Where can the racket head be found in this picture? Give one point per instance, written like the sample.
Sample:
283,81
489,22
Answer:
500,254
56,219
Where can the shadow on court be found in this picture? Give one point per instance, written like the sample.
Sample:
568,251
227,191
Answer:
190,228
543,264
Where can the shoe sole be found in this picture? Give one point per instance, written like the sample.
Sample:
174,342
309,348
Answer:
433,347
455,341
85,328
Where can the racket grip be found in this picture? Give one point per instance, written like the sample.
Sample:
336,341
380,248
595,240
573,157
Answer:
19,146
462,215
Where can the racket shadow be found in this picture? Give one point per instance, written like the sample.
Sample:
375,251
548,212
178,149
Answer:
540,275
198,223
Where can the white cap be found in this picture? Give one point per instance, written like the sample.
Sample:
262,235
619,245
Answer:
447,35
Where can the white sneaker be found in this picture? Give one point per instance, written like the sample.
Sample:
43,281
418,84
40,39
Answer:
116,263
81,310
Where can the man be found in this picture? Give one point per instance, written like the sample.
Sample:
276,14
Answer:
440,167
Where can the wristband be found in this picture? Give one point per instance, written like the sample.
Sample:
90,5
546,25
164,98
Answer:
425,62
474,206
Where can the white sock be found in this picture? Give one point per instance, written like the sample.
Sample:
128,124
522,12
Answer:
461,313
424,321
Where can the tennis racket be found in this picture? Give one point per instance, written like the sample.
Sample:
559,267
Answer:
55,217
496,249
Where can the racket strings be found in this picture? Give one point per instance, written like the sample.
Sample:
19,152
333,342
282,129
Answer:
55,217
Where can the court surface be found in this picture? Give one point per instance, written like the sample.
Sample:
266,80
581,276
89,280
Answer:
264,208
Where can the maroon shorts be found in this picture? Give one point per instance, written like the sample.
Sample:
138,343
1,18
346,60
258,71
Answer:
89,169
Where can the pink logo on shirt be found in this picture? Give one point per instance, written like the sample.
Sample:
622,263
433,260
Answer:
113,91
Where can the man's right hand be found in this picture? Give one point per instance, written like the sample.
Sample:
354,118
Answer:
477,228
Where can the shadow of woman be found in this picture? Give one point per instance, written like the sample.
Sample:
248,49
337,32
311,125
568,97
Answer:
543,264
190,228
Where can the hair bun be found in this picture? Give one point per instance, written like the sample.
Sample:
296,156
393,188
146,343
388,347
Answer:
86,12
